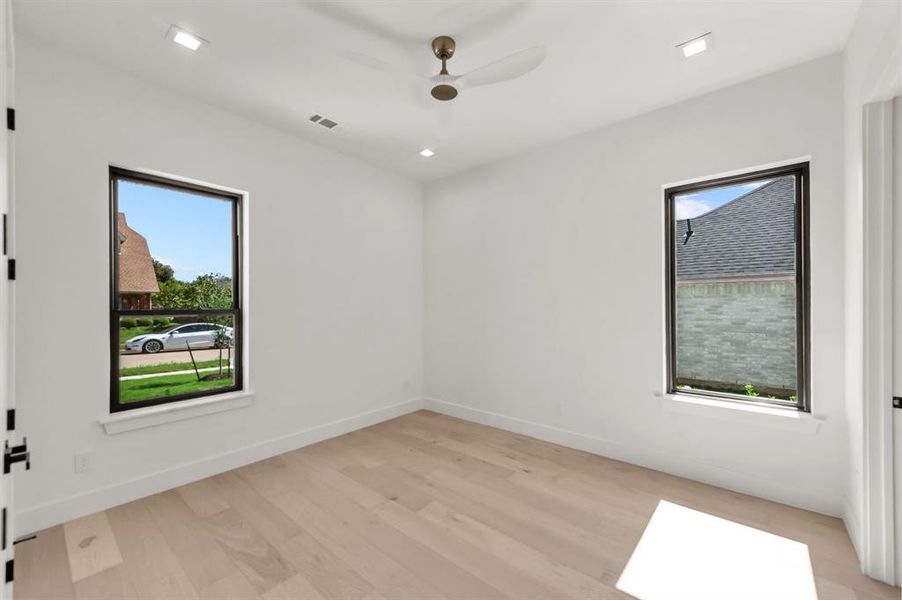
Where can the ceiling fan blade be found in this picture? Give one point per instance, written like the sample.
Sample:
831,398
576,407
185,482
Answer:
378,64
419,85
505,69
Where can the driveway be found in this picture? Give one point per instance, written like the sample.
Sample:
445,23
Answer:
181,356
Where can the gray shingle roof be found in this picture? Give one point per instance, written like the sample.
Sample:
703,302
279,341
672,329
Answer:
751,236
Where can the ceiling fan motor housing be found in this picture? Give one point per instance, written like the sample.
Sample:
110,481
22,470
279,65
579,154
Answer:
444,92
443,47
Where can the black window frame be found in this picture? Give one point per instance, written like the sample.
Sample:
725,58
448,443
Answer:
117,174
803,284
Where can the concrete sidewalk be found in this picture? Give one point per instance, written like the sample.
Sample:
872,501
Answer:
181,356
168,373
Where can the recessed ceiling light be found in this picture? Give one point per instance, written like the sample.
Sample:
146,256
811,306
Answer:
184,38
696,45
427,152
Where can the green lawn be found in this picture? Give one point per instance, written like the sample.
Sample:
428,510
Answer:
173,366
134,390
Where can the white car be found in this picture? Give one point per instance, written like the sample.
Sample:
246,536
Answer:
195,335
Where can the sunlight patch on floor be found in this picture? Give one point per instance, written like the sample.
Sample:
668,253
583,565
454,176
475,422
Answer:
685,554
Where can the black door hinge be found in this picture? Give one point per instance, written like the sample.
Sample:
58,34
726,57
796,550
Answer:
14,454
10,419
10,569
11,269
4,530
11,119
897,402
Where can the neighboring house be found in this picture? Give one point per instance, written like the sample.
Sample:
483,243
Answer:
137,278
736,292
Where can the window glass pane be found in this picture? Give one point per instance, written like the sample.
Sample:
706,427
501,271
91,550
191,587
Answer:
175,248
165,356
735,296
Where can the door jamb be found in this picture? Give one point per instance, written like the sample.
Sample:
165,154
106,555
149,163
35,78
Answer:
878,527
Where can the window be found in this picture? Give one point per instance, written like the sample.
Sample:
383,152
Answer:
737,287
175,302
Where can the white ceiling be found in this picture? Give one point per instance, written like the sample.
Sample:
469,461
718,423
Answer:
281,61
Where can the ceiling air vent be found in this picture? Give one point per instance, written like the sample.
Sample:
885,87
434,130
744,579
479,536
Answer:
321,120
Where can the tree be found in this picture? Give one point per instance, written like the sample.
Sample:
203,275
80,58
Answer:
209,291
163,272
221,339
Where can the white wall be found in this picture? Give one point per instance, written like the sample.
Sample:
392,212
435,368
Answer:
335,284
544,289
872,58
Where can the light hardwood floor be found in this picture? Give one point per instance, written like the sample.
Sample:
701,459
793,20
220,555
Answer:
424,506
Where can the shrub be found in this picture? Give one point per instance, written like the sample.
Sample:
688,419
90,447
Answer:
145,322
128,323
161,321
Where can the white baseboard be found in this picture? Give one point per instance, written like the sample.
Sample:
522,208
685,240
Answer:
821,501
65,509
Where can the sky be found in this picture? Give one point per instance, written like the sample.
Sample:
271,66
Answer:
189,232
689,206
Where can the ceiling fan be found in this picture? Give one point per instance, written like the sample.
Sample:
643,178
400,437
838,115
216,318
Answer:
444,85
447,86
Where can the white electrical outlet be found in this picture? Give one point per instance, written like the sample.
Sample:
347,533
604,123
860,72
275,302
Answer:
83,462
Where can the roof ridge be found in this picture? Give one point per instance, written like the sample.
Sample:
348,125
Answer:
737,198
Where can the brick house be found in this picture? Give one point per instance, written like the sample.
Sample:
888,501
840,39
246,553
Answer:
137,279
736,292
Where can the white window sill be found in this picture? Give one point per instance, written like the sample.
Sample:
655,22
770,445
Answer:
772,417
151,416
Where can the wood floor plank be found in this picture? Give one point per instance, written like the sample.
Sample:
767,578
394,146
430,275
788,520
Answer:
42,567
296,588
91,546
202,497
441,573
269,521
175,586
572,552
307,466
259,562
423,506
148,561
232,587
268,477
563,579
203,559
112,582
511,581
327,573
393,431
390,488
384,574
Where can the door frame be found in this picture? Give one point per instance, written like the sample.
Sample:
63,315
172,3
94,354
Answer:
880,288
7,295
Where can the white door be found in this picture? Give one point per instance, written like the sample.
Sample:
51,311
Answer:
897,325
9,439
